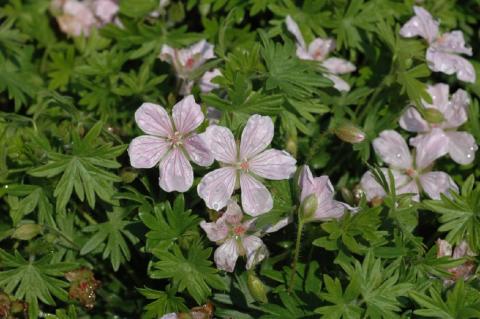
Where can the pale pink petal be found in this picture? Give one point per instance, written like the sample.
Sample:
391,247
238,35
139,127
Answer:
204,49
456,114
444,249
233,215
462,250
273,164
194,56
306,182
146,151
222,144
77,19
197,150
154,120
302,53
412,121
431,147
206,84
256,136
171,315
292,26
217,187
105,10
409,188
278,225
439,93
167,54
176,173
338,83
338,66
436,183
187,115
373,189
319,48
255,250
226,255
329,209
461,147
452,42
391,147
450,63
215,231
422,24
256,198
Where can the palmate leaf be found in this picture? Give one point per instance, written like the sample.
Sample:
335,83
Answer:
111,237
165,302
460,214
33,281
16,81
462,302
85,170
168,225
191,271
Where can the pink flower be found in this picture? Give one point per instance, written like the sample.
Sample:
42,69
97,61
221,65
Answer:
172,143
236,237
409,177
444,49
461,145
244,163
185,61
77,19
464,271
105,10
322,188
318,50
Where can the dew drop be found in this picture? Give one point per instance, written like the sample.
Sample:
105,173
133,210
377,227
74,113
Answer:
398,155
472,148
469,155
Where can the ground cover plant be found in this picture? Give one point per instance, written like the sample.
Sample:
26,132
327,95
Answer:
239,159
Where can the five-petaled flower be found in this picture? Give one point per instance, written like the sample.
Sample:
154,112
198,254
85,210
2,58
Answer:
236,237
327,208
186,61
318,50
244,163
444,49
461,145
172,143
409,177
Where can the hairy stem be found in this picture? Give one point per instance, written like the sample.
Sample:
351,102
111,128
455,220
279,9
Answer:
296,254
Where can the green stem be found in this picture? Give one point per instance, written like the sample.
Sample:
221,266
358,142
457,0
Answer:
296,254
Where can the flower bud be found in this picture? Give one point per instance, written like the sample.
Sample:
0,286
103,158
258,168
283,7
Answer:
347,195
257,288
432,115
308,207
27,231
291,145
349,133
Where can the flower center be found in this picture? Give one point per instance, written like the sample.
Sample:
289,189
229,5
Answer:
244,166
190,62
411,172
176,139
239,230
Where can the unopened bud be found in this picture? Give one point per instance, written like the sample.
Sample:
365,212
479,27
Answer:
308,207
257,288
350,133
347,195
27,231
432,115
291,145
128,175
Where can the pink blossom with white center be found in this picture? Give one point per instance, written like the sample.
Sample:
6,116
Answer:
464,271
170,142
409,177
443,53
76,19
236,237
187,60
327,207
244,163
461,145
318,50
